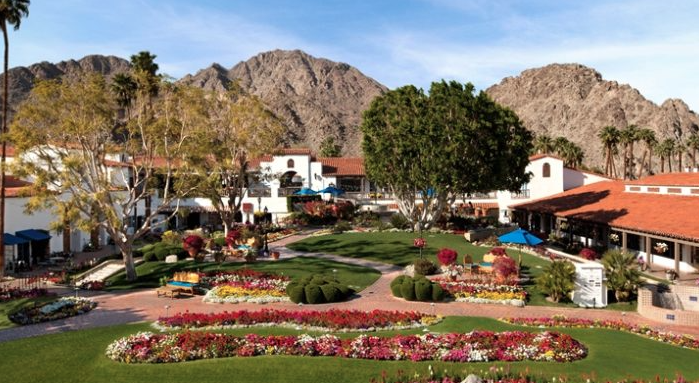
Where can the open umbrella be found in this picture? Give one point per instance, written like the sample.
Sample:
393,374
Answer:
520,237
306,191
332,190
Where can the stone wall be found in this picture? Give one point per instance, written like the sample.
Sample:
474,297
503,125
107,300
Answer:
649,302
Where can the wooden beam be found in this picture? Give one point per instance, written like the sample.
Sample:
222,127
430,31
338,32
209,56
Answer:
648,252
677,258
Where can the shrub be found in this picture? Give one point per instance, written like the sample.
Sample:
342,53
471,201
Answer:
557,280
314,295
493,240
589,254
331,293
193,244
149,257
220,241
505,267
296,293
438,293
232,237
317,289
161,252
341,227
407,290
447,256
498,251
423,290
623,276
424,267
171,237
399,221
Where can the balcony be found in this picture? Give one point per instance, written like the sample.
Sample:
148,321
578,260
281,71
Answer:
491,195
283,192
260,192
522,194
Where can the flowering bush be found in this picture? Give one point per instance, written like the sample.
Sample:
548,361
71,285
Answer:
479,292
476,346
614,237
330,320
245,285
233,237
193,244
92,285
498,251
661,247
505,267
447,256
643,330
419,243
8,294
589,254
58,309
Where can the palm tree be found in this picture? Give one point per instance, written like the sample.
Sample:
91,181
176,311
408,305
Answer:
693,145
557,280
572,155
543,144
124,87
665,149
680,149
609,135
11,14
628,137
559,145
145,69
647,135
621,270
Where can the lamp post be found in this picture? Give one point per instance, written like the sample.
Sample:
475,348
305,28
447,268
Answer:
265,227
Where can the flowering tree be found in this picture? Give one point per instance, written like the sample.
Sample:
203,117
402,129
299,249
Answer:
447,256
429,149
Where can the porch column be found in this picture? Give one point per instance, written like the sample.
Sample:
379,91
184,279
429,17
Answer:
623,241
648,253
677,257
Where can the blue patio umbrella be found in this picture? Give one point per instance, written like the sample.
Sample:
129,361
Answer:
520,237
306,191
332,190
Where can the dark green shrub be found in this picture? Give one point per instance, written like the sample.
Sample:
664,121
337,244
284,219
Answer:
161,253
396,285
399,221
149,257
137,253
297,294
331,293
314,295
318,280
438,293
344,290
424,267
407,290
341,227
220,241
423,290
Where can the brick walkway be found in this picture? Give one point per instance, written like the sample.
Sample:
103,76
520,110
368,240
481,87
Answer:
143,305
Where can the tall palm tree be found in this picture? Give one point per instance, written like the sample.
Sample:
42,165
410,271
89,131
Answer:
693,145
665,149
145,69
628,137
609,135
571,154
680,149
11,14
124,87
543,144
647,135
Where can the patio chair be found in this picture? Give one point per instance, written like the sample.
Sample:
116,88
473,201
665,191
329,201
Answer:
469,265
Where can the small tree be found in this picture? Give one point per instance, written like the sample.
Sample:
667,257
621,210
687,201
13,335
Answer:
558,280
328,148
505,267
623,276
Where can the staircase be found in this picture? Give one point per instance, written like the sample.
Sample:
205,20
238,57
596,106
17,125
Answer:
102,271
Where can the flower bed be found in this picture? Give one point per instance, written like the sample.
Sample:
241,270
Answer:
331,320
277,235
58,309
477,346
245,286
483,292
8,294
643,330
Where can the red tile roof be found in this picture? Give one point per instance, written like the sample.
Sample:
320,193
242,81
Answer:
9,151
342,166
539,156
669,179
15,187
293,151
606,202
255,162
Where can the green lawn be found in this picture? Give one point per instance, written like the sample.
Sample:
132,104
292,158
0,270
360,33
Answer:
397,248
149,273
9,307
79,357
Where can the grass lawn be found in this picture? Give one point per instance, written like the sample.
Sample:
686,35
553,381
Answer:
79,357
9,307
398,249
149,273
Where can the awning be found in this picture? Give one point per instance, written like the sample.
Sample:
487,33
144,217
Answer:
33,235
11,240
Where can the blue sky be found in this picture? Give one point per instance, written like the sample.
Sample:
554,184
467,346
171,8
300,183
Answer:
652,45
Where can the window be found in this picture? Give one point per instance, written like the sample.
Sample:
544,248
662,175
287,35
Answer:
546,171
290,164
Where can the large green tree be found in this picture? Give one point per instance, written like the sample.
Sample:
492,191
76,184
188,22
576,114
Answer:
234,128
65,136
543,144
328,148
609,135
429,149
11,14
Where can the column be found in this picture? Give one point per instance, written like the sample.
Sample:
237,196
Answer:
648,252
623,241
677,257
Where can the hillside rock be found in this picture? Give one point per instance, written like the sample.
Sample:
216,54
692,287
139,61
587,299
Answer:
22,79
574,101
315,97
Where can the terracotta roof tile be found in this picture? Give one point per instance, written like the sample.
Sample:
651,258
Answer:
342,166
606,202
539,156
15,187
669,179
293,151
255,162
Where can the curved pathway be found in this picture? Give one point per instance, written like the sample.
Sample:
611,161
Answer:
143,305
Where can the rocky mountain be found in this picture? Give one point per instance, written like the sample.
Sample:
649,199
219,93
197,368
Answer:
317,98
574,101
22,79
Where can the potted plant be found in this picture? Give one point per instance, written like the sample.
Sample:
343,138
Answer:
275,255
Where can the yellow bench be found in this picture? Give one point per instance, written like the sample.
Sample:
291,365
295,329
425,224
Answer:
185,281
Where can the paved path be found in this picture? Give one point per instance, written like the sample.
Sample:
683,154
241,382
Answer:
143,305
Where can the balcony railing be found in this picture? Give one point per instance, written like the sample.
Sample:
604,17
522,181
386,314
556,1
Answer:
491,195
522,194
265,193
283,192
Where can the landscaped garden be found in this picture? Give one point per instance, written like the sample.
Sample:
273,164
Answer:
81,356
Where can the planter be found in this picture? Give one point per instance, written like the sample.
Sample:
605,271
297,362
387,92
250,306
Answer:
275,255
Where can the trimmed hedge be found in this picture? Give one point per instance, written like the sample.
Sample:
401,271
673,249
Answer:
317,289
424,267
158,251
417,289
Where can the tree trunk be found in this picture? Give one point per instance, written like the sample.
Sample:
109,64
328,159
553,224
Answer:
5,103
694,158
127,254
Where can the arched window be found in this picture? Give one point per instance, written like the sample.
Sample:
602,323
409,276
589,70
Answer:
546,171
290,164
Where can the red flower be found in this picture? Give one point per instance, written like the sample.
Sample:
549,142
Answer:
419,242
